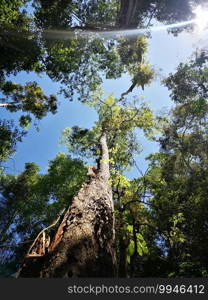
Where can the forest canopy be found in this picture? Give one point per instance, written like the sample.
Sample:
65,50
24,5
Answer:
85,216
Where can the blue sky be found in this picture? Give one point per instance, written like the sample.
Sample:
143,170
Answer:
165,53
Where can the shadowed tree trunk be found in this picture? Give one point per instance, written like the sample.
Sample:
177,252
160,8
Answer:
83,245
122,263
128,16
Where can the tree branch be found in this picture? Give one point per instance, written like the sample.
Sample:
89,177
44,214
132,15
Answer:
104,161
128,91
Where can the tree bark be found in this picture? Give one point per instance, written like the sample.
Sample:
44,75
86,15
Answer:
83,245
128,16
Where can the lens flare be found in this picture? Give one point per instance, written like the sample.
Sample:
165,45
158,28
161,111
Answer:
201,20
64,34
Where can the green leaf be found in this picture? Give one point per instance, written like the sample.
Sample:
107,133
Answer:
130,228
141,245
139,237
131,248
110,100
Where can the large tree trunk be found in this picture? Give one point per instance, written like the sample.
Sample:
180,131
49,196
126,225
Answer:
129,15
84,242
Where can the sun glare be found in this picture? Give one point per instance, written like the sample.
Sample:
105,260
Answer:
201,19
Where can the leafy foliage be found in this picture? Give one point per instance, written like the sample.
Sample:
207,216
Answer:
30,202
9,136
29,98
178,174
120,123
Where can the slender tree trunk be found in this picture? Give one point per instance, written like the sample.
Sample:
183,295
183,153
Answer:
84,242
122,264
133,259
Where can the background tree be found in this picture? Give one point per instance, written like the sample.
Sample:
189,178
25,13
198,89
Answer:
21,51
178,175
31,201
9,136
130,213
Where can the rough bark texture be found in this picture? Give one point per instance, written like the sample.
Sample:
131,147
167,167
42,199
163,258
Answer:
84,242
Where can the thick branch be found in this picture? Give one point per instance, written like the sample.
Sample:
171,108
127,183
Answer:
7,104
